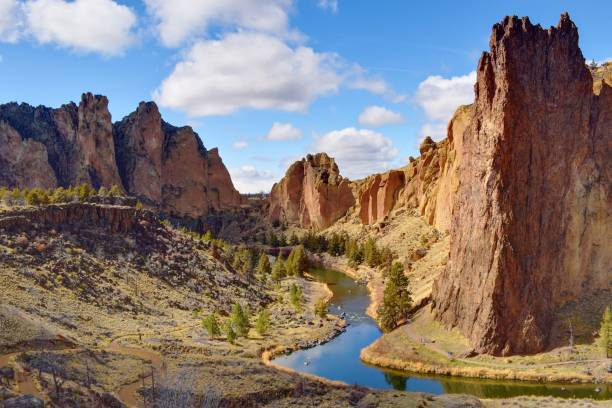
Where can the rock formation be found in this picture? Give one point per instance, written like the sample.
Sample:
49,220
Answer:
531,218
162,165
427,184
312,193
169,167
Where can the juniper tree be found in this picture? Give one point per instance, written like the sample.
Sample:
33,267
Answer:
240,319
263,267
211,324
397,299
295,297
262,324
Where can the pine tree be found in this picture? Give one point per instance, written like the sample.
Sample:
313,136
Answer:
370,253
294,240
240,319
320,308
278,270
228,328
262,324
211,324
397,299
295,297
115,191
263,267
297,262
605,333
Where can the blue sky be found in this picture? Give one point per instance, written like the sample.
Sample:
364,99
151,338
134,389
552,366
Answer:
268,81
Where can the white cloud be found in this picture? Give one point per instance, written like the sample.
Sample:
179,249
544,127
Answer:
240,144
10,20
180,20
283,131
101,26
377,116
247,70
248,179
440,97
357,79
331,5
359,152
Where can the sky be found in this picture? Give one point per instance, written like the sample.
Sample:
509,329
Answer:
268,81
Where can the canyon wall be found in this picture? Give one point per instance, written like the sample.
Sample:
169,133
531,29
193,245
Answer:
531,221
162,165
312,193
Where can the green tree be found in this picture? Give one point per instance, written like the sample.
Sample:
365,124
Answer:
397,299
211,324
240,319
370,253
102,191
263,267
605,333
262,324
295,297
297,262
230,334
320,308
115,191
208,236
84,191
278,270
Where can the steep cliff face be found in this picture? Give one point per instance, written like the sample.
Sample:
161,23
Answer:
312,193
531,217
162,165
427,184
77,141
169,167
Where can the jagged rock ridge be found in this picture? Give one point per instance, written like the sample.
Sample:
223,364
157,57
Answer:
162,165
531,220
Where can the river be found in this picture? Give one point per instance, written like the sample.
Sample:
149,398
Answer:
339,359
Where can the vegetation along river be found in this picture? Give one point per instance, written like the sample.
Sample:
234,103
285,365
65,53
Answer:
339,359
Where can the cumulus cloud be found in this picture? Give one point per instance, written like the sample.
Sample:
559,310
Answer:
247,70
331,5
240,144
359,152
377,116
248,179
440,97
283,131
10,20
101,26
179,20
357,78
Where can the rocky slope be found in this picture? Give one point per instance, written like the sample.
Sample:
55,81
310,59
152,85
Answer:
531,221
312,193
162,165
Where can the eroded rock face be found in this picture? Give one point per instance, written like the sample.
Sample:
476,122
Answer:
162,165
427,184
169,167
312,193
531,216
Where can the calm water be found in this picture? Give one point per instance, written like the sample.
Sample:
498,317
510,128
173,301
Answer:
339,359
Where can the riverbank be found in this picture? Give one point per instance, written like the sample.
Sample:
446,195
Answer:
423,346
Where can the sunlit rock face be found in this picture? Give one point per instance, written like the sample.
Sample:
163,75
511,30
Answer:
163,166
531,221
312,193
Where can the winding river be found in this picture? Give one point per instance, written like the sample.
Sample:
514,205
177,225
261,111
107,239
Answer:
339,359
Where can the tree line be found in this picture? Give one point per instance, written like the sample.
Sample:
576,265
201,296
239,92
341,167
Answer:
39,196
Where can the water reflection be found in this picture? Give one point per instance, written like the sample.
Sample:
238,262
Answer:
339,359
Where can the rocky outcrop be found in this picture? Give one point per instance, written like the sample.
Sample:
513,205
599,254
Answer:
162,165
427,184
115,218
312,193
531,219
